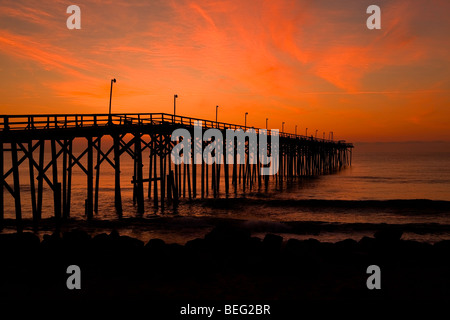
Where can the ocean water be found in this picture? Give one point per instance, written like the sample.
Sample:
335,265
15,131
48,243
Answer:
359,194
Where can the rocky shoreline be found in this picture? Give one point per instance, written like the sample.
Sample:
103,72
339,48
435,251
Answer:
227,264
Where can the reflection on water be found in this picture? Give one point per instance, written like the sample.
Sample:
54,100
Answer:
382,172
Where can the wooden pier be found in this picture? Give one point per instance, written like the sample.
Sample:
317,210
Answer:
24,138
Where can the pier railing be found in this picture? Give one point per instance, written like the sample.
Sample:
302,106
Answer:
65,121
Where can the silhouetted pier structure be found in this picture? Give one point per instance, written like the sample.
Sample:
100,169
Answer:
23,138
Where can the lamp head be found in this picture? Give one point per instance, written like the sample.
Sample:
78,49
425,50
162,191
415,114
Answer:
176,96
114,80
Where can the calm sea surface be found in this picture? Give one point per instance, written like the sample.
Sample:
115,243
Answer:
380,171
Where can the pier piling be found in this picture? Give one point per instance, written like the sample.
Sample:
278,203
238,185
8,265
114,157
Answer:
299,156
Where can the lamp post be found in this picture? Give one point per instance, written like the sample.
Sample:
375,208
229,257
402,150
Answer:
316,133
217,107
110,98
175,96
282,127
245,121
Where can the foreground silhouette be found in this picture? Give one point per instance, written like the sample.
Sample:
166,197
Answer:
226,264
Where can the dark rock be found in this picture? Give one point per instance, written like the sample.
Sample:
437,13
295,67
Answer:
347,245
388,235
175,249
127,242
227,236
293,245
101,237
311,244
102,243
443,246
19,242
175,259
52,241
272,242
8,243
155,244
196,245
76,238
254,245
367,243
114,235
29,239
227,241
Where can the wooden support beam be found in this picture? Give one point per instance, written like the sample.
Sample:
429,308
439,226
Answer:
64,180
28,154
226,177
174,187
149,193
184,180
213,179
2,205
139,176
235,166
202,181
56,185
162,174
117,191
169,178
169,186
189,180
206,179
90,180
97,174
194,173
32,183
76,161
104,155
69,181
19,161
126,147
179,180
258,168
15,170
218,179
40,179
175,178
155,182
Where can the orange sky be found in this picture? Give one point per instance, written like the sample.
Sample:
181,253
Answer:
309,63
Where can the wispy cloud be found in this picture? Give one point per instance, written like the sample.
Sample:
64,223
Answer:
290,59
